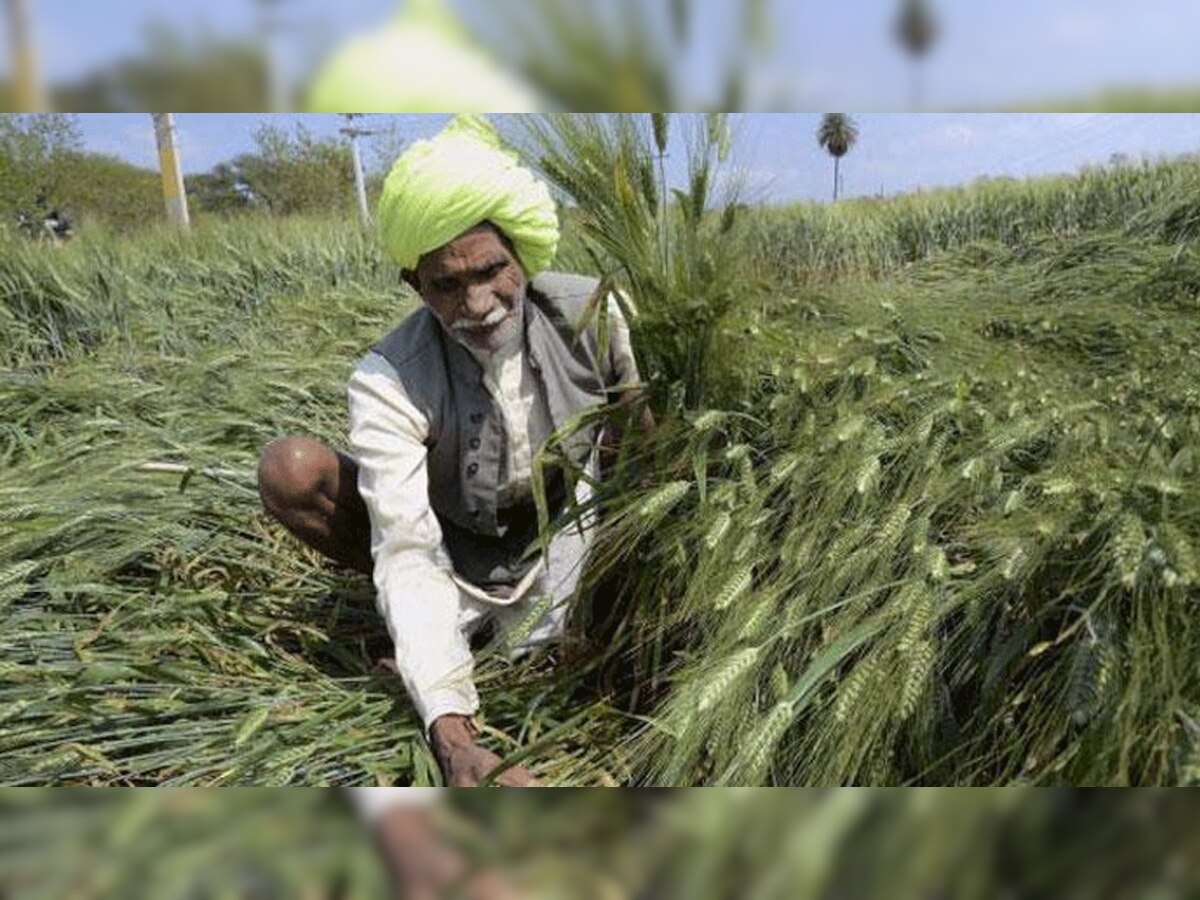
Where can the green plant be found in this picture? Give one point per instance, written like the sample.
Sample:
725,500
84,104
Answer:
930,517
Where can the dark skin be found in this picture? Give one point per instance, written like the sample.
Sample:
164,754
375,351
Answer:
467,284
312,490
424,865
474,286
478,275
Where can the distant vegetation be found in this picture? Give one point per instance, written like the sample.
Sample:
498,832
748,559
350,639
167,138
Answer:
43,166
296,172
870,237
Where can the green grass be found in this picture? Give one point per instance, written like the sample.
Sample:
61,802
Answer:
871,238
1182,98
943,528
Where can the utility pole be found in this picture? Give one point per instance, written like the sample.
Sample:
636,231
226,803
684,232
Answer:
360,185
268,27
172,175
29,95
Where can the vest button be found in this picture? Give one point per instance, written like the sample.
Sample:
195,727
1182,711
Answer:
472,469
476,418
475,513
474,445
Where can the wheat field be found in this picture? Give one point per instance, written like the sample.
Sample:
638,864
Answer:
612,845
922,508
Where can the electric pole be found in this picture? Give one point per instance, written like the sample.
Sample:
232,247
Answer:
268,27
172,175
360,186
27,87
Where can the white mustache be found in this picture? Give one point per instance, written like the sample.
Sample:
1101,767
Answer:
492,319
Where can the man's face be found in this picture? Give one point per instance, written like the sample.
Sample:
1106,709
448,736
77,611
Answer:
474,285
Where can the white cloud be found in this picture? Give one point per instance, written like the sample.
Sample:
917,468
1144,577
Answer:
959,135
941,135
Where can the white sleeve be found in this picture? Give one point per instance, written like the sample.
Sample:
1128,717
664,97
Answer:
413,588
373,803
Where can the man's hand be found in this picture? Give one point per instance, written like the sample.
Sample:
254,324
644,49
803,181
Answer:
463,762
426,866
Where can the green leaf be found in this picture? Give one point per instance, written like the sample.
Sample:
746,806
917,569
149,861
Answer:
250,724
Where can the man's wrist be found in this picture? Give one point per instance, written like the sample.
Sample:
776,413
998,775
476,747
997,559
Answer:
452,730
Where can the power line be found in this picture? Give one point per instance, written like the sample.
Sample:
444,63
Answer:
1096,128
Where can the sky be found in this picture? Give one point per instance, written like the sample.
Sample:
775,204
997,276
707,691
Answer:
989,54
74,37
896,152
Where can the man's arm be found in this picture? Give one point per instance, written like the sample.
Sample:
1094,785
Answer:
414,591
418,600
423,864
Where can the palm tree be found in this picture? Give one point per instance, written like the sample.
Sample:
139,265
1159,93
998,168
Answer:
837,135
916,29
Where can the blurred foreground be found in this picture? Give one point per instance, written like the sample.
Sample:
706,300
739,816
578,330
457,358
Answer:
761,843
589,55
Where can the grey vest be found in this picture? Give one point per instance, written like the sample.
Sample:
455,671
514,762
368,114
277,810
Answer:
466,441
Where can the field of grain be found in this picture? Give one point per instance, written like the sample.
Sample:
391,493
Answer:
923,507
611,845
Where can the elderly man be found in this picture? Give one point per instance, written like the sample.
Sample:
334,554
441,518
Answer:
446,415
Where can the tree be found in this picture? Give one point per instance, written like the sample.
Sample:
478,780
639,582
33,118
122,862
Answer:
837,134
97,188
174,70
220,191
295,173
916,29
388,140
43,168
32,150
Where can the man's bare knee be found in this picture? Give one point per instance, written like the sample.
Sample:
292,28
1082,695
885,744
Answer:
291,471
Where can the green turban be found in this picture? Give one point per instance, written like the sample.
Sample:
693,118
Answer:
421,61
440,188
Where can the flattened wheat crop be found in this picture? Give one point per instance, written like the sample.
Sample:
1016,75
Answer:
927,515
930,540
158,629
942,551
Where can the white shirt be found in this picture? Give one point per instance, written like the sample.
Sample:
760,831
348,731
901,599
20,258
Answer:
511,383
428,608
372,804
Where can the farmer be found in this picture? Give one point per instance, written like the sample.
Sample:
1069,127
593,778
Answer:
447,413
